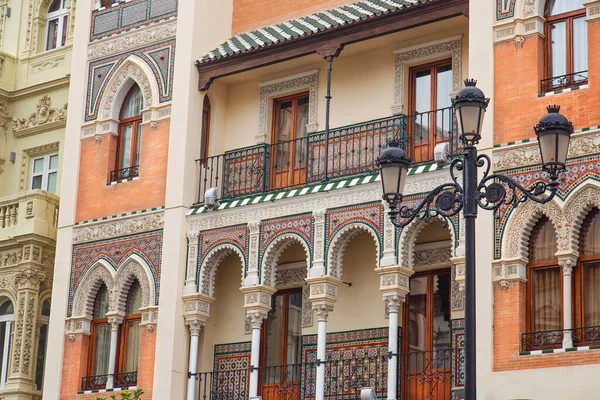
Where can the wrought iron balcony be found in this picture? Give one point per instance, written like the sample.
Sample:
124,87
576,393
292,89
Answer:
124,173
563,81
546,340
121,380
349,150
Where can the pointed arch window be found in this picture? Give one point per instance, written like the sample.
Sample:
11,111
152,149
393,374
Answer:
544,280
567,44
130,132
206,111
130,331
7,317
100,339
56,24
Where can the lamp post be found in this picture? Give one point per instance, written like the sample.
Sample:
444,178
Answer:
492,191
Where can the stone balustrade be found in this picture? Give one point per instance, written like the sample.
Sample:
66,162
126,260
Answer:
31,212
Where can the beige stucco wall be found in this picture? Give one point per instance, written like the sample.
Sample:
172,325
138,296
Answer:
362,85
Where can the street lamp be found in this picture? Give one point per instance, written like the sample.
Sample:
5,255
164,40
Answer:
490,193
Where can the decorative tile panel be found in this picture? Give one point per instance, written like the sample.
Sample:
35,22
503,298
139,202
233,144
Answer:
114,251
458,356
229,358
300,225
370,214
126,16
505,9
159,57
235,235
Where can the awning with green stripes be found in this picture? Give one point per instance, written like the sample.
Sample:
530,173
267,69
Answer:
308,25
304,190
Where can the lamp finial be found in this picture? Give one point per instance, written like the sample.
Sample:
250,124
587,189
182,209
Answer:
553,108
470,82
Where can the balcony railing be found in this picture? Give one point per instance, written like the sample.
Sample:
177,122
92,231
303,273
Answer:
124,173
563,81
349,150
34,211
553,339
121,380
422,375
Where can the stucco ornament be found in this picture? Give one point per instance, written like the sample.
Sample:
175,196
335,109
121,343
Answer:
528,8
274,251
426,257
335,251
119,227
124,277
130,71
44,114
408,236
208,269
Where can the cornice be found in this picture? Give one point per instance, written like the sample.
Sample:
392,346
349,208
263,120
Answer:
36,89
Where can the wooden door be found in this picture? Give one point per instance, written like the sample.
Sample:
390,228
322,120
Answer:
430,122
427,347
281,367
289,150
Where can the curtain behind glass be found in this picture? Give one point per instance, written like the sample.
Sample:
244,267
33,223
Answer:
133,104
132,346
301,121
546,299
283,134
101,349
101,303
542,246
563,6
294,329
134,299
558,48
591,294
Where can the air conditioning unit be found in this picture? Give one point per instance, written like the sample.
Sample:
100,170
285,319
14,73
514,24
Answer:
368,393
211,199
441,153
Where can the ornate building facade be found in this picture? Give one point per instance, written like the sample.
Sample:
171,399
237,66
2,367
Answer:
36,46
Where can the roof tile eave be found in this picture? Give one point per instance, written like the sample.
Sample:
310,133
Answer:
308,25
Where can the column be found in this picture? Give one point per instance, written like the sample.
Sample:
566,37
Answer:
257,302
567,263
323,295
115,322
256,320
323,310
195,326
394,284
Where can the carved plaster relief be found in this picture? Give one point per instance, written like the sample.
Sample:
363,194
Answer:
415,55
119,227
44,118
268,90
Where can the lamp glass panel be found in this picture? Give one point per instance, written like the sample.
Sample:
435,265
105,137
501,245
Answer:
390,174
469,121
548,148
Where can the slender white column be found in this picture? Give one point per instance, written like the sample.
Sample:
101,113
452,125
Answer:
195,327
256,320
323,311
567,265
393,303
115,322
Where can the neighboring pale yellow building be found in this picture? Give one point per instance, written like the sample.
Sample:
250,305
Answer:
35,61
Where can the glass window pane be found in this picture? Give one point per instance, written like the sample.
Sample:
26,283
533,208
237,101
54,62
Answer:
46,308
53,162
132,346
36,182
64,30
4,354
55,6
546,299
52,183
41,357
580,46
542,243
101,349
7,308
417,314
38,165
138,144
134,299
294,329
133,103
101,303
301,121
444,88
283,133
125,151
563,6
422,105
52,34
558,48
441,311
591,294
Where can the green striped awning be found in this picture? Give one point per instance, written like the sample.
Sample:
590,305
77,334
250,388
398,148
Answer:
304,190
308,25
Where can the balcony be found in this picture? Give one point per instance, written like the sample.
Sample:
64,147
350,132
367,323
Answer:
122,380
422,375
563,81
347,151
31,212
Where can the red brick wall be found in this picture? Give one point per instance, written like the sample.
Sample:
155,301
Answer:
509,323
517,75
252,14
95,199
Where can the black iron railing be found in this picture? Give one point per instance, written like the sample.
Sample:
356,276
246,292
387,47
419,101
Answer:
124,173
223,385
428,374
542,340
545,340
121,380
350,150
563,81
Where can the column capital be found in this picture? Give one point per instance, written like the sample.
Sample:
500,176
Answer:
323,289
115,320
567,261
323,309
393,301
29,278
195,325
256,317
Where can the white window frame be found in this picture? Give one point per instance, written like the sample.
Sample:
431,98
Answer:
4,352
57,15
45,172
